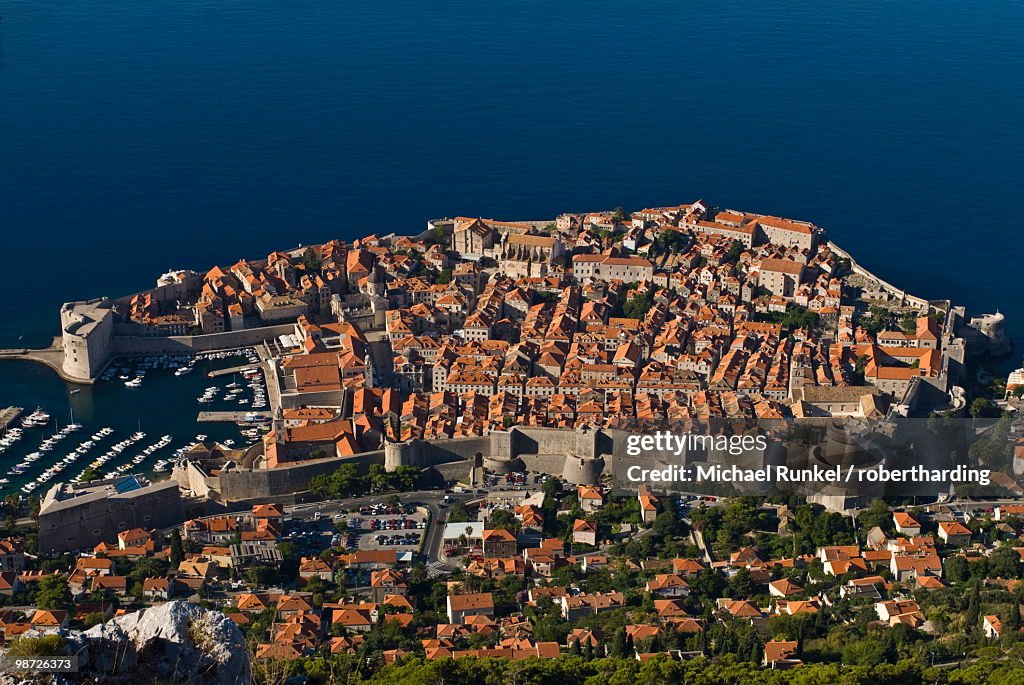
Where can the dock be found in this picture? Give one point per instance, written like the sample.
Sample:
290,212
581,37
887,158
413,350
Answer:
52,356
9,416
233,369
232,416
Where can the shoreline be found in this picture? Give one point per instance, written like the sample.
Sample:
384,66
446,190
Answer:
53,356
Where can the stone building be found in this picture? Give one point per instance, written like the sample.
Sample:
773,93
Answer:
781,277
528,256
79,516
472,237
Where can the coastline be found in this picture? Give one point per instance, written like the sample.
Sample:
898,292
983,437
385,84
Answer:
52,357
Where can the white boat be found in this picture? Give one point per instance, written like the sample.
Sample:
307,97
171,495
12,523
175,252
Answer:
134,383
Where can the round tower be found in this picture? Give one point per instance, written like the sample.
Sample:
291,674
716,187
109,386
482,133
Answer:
582,470
398,454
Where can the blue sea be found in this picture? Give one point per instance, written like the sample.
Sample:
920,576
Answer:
142,135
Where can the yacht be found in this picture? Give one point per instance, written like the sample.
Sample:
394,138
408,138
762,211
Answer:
134,383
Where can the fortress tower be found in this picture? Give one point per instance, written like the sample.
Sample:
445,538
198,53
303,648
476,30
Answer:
87,331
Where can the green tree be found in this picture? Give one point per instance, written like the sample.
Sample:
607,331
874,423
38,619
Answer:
980,406
312,260
91,619
458,513
29,647
503,519
177,550
734,251
53,593
637,306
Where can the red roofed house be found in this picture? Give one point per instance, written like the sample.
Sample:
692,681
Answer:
135,537
906,524
498,544
590,498
584,532
668,585
462,606
954,534
648,504
315,567
780,654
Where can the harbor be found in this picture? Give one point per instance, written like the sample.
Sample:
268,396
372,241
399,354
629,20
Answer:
138,418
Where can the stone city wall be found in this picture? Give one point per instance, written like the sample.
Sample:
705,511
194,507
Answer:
247,484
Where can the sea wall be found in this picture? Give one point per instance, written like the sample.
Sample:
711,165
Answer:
899,293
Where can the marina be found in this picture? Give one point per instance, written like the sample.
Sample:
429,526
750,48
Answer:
137,418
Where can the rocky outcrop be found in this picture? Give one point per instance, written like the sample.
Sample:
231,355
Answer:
177,642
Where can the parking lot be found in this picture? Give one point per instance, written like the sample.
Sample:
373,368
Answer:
311,537
381,527
378,526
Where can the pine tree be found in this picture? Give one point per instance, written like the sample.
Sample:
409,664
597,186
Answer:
177,550
617,646
755,652
973,607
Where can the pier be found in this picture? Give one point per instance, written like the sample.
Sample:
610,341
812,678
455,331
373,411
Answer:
233,369
232,416
52,356
9,416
